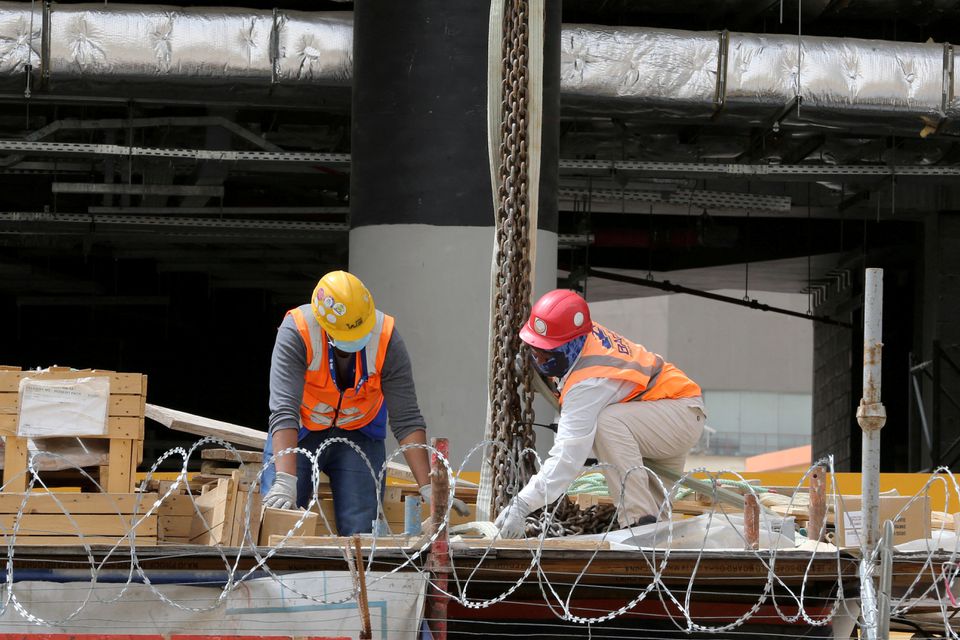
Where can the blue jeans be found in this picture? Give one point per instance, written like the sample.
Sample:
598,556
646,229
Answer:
354,488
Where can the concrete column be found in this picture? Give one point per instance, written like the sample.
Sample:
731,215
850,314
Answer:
421,210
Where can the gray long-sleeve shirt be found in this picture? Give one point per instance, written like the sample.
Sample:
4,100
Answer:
289,364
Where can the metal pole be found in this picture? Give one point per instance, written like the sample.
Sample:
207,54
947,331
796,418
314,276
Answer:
438,561
886,580
871,416
935,400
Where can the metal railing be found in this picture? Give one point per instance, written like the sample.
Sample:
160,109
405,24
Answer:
942,373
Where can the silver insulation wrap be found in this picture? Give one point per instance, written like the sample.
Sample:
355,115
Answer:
635,68
834,77
109,48
143,42
20,37
314,48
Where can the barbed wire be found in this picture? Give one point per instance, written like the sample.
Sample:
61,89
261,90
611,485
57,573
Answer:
929,573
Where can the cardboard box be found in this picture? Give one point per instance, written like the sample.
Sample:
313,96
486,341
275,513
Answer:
912,524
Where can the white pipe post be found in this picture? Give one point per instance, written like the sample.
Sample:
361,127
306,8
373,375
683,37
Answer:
871,416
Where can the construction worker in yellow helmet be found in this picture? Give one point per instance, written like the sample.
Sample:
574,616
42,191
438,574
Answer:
340,370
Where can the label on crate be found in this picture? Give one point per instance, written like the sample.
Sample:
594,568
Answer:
55,408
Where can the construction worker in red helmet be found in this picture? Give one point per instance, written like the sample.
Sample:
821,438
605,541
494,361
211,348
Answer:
619,400
340,370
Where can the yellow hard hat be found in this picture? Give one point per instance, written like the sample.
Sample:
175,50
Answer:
343,306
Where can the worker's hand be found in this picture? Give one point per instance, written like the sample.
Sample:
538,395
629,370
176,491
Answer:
458,505
283,493
513,519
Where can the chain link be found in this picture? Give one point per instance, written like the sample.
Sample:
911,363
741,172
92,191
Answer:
511,392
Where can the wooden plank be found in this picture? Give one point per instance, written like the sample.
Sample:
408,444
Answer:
117,427
35,541
214,506
97,524
7,367
119,478
176,504
117,405
238,537
200,426
15,464
558,544
119,382
170,527
237,456
80,503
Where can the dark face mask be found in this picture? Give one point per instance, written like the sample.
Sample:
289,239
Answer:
550,363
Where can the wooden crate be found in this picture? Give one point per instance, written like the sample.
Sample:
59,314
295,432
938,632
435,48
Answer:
101,518
223,513
128,393
277,522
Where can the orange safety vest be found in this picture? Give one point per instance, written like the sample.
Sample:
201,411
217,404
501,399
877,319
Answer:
323,405
606,354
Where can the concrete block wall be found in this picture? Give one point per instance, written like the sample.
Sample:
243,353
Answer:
832,401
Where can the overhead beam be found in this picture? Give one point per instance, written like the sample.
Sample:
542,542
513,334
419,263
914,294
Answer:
216,211
137,189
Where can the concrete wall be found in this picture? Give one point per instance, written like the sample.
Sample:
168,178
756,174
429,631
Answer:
436,281
754,367
721,346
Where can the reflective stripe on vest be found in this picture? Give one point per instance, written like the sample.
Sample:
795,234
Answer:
606,354
321,397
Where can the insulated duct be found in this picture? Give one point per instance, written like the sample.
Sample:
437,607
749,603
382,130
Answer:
139,50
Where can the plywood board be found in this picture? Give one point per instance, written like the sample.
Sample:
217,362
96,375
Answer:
200,426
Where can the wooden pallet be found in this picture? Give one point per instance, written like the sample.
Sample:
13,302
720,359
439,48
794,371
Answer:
128,393
101,518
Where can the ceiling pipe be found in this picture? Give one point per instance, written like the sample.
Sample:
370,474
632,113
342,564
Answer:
140,51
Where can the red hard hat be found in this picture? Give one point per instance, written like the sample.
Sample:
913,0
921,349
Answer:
556,318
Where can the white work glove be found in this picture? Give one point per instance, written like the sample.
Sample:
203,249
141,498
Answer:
283,493
458,505
512,521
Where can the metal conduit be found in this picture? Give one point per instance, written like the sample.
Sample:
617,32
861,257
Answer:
110,49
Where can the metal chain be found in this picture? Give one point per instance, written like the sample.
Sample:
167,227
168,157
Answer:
570,520
511,392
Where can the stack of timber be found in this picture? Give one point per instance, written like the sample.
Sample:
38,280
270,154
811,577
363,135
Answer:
124,425
94,518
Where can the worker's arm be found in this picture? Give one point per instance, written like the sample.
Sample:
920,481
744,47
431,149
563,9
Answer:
400,396
285,439
416,457
574,441
288,365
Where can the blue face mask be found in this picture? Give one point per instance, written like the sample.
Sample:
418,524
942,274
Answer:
557,362
352,346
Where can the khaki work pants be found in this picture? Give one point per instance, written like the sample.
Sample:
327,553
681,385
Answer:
629,433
